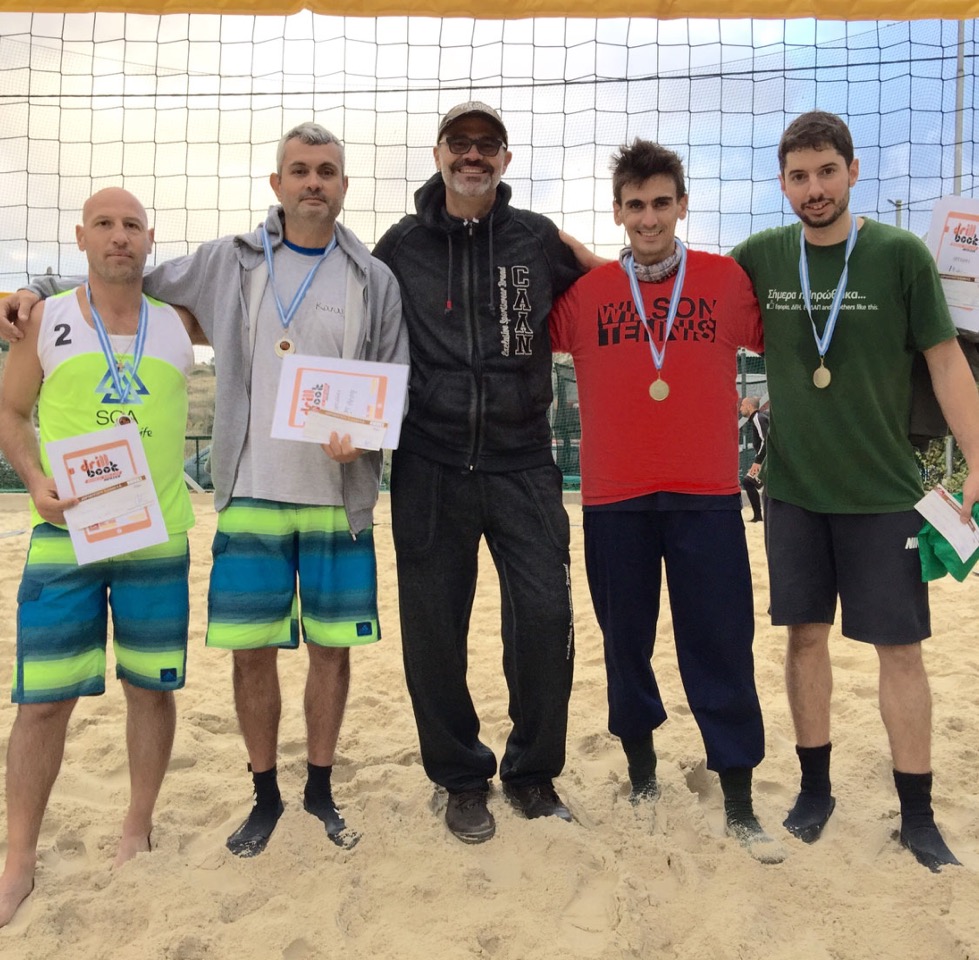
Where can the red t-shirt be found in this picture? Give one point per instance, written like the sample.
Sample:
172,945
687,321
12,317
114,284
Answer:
631,444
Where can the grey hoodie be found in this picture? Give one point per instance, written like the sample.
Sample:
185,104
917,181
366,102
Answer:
213,284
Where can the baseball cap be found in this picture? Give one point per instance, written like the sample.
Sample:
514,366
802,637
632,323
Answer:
473,108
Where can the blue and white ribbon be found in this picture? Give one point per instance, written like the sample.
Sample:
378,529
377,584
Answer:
123,389
823,342
630,268
286,315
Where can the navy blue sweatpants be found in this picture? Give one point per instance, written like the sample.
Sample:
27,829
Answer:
709,582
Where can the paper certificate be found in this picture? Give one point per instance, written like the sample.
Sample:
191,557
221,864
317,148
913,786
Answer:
320,395
954,241
107,472
941,510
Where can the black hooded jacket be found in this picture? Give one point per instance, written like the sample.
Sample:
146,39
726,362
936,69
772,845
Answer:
476,297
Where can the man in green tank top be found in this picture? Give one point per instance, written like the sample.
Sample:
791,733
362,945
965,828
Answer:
92,357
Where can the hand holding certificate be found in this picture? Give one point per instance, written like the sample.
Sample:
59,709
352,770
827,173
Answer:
319,396
117,510
942,511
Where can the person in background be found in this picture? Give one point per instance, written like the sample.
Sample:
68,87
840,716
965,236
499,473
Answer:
751,481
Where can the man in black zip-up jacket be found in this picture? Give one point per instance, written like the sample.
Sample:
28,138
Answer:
477,281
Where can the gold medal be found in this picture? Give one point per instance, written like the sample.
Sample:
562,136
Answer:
821,376
284,346
659,389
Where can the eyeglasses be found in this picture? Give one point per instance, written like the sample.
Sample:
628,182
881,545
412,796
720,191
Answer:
487,146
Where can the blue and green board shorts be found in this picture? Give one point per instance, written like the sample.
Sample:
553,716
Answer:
62,616
262,549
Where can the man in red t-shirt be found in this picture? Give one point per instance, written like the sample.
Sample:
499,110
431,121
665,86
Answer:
654,337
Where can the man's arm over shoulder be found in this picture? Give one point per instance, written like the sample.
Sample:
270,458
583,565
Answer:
189,281
958,397
22,378
561,261
15,309
587,259
196,282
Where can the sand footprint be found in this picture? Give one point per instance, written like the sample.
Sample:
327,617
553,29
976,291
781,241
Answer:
590,915
299,950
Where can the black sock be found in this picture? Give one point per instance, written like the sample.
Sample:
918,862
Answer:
251,838
318,785
919,832
266,786
914,792
641,758
318,800
814,762
815,804
736,785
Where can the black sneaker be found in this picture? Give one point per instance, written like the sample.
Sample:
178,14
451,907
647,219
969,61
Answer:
537,800
468,817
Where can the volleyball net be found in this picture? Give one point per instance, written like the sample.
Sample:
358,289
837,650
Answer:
185,112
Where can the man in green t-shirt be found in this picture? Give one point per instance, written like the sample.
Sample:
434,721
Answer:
846,303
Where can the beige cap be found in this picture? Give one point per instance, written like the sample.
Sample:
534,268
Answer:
473,108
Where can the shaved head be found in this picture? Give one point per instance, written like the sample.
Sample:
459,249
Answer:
116,198
115,235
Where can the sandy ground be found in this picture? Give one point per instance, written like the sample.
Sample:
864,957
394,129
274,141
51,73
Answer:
618,884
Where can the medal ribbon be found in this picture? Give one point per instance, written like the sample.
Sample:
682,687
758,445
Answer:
823,342
106,344
630,268
286,315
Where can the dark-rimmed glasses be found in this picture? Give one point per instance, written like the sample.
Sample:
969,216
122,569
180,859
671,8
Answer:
487,146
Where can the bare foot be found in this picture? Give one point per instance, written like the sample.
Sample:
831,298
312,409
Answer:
129,846
14,890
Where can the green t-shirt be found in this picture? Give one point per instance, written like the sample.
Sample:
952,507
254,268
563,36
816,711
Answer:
845,449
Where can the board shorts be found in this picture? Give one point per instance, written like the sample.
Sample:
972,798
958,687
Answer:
282,568
869,560
62,617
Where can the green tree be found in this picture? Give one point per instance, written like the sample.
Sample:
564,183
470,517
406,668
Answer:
931,462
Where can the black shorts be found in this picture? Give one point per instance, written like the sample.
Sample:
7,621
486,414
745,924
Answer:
869,560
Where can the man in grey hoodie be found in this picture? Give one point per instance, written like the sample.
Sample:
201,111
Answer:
288,512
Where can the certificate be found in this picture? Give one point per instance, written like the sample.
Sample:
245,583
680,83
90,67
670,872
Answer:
118,510
321,395
954,242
